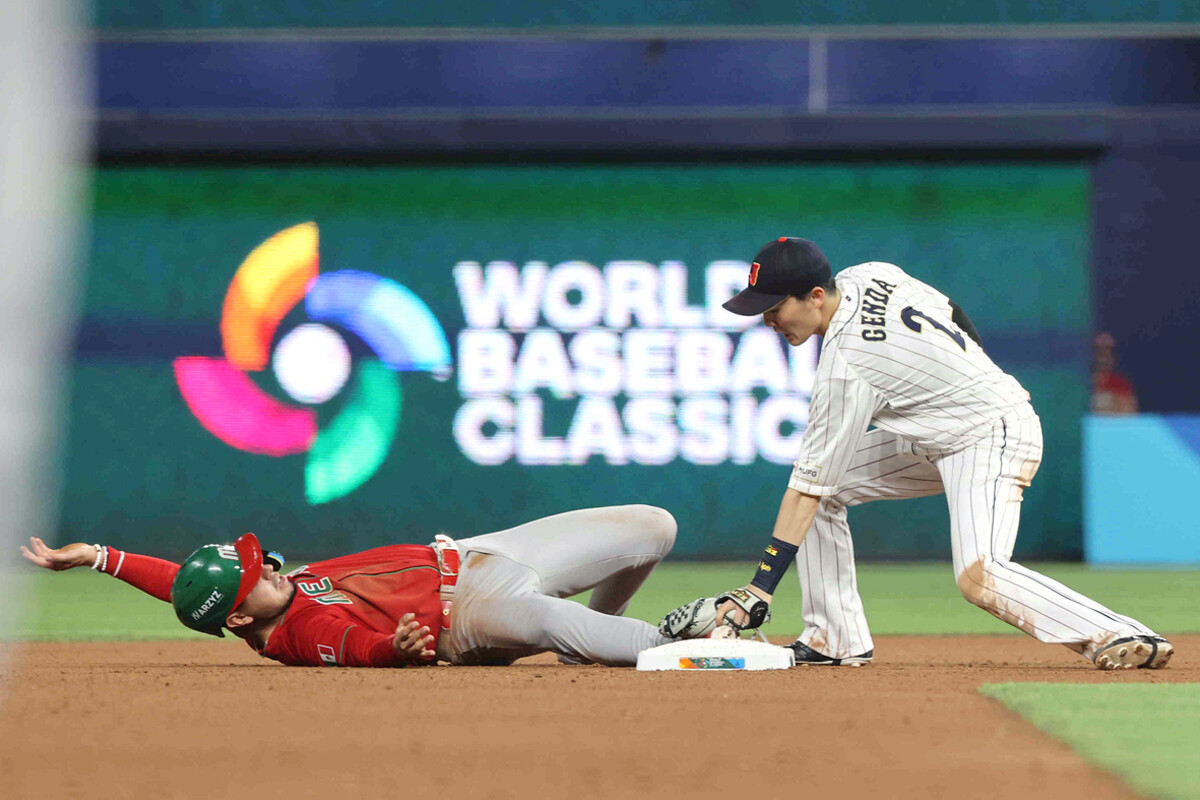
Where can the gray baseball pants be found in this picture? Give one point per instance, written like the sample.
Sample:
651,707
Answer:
509,601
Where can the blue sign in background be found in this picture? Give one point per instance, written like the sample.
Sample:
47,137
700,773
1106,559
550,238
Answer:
1141,474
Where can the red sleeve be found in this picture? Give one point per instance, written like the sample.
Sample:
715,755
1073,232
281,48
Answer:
320,637
153,576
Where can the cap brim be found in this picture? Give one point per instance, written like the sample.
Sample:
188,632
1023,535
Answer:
749,303
251,555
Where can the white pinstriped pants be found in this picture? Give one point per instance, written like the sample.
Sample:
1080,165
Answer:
984,484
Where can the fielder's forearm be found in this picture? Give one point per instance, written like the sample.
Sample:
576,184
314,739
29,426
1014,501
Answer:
796,514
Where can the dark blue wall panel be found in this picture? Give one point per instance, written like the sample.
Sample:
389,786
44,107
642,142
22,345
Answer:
1144,260
348,76
339,76
1109,72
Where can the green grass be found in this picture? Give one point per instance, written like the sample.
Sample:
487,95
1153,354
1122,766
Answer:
1149,734
82,605
899,598
923,598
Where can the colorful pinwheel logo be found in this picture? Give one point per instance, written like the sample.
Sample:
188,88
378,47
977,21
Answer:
312,363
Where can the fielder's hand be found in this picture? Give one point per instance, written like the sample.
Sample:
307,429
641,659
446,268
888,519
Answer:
73,555
740,609
744,608
413,640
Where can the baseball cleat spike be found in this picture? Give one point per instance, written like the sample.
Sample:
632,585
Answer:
1147,651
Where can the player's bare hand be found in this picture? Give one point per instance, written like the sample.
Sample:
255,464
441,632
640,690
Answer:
748,606
729,612
413,640
73,555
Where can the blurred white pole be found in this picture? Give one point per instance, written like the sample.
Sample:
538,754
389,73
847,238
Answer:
44,78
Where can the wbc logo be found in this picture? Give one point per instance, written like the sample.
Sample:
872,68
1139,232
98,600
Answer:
312,362
754,273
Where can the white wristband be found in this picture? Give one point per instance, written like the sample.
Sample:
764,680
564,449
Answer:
101,558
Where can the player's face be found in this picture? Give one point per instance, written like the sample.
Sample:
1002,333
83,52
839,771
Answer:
269,597
796,319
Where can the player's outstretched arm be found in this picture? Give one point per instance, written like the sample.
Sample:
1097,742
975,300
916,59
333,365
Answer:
152,575
412,640
73,555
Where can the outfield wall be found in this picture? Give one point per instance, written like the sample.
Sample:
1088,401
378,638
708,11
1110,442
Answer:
606,374
1043,181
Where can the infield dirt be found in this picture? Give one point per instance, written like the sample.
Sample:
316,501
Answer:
212,719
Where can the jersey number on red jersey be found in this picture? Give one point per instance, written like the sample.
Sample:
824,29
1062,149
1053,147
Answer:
322,591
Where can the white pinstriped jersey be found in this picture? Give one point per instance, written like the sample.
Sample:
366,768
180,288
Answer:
893,358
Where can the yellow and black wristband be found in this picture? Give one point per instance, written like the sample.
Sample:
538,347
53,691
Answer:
776,560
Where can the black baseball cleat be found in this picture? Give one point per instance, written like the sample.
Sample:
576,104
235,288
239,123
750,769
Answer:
805,655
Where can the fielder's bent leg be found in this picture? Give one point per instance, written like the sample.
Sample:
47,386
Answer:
882,468
984,487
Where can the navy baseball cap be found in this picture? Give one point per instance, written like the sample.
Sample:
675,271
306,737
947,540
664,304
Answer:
784,267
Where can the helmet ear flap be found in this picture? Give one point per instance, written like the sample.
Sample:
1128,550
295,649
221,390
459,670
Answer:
205,588
213,581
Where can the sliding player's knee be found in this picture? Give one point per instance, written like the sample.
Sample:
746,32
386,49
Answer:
657,524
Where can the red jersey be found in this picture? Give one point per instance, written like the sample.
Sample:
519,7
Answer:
1112,393
344,611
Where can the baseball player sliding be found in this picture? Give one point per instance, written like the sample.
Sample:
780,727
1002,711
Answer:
906,403
485,600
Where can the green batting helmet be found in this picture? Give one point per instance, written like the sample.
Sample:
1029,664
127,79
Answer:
215,580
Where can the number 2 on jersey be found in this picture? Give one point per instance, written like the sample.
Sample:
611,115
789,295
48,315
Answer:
910,315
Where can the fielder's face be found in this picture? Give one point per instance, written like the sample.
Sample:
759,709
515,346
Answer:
798,319
269,597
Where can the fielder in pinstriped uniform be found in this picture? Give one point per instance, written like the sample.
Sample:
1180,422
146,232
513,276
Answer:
906,403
